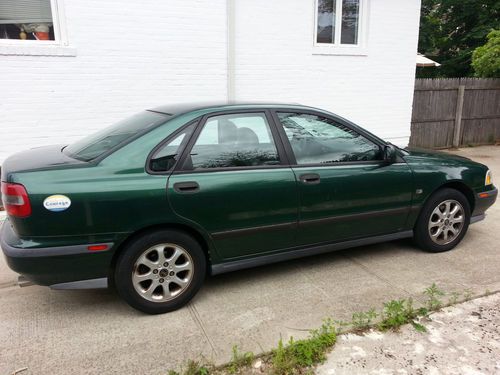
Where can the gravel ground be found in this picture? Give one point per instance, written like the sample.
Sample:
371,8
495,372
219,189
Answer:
463,339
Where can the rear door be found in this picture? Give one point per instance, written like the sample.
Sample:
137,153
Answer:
346,189
234,181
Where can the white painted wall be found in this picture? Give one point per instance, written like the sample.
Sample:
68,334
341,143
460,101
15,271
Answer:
131,55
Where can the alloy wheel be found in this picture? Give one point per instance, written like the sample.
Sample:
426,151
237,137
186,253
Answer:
446,222
162,272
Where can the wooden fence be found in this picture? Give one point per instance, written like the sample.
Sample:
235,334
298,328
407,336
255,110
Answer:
454,112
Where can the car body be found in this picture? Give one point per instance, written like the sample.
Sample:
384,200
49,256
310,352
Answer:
250,184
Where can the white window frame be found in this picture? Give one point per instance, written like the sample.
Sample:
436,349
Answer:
58,47
337,48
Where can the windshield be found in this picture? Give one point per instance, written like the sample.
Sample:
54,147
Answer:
98,143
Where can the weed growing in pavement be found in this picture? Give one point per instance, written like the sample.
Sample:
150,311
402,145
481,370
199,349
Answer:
239,360
363,320
433,293
454,298
192,368
394,315
468,294
297,355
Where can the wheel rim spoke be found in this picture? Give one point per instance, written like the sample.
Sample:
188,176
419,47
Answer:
161,254
181,282
144,260
140,278
438,232
183,267
150,290
177,253
156,276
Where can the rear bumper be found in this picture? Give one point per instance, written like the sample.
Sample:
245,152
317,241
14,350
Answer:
55,266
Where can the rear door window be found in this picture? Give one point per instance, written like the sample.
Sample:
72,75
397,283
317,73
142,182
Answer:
234,140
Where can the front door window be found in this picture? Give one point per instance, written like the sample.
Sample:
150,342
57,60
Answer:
320,140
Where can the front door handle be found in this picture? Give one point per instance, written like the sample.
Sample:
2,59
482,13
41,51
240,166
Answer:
310,178
188,187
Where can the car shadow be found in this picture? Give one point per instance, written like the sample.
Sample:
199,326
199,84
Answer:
285,268
108,300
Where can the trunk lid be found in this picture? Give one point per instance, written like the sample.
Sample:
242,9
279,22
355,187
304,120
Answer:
47,157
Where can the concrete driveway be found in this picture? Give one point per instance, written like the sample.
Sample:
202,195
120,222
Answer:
93,332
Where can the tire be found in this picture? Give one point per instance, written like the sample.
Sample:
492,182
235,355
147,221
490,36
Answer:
154,283
440,230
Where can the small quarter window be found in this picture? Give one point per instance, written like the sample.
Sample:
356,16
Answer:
235,140
164,159
320,140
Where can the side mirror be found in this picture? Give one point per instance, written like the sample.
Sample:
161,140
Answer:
390,153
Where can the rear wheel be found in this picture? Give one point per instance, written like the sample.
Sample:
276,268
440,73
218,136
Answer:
160,271
443,222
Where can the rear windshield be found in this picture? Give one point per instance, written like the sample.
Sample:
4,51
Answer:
98,143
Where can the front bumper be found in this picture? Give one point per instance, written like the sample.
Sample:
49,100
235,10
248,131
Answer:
55,266
484,200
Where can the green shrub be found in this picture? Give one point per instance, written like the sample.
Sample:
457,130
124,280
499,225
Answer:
486,59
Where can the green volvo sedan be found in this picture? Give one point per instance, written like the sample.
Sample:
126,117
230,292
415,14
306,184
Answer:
156,202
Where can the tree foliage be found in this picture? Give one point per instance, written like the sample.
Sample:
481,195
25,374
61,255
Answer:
450,30
486,59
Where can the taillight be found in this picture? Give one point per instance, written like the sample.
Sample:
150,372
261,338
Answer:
15,200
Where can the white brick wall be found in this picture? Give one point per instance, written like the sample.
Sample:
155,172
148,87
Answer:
274,61
131,55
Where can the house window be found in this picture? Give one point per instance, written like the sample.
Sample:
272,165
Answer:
338,22
26,20
33,27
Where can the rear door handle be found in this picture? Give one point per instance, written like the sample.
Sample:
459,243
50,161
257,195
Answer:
188,187
310,178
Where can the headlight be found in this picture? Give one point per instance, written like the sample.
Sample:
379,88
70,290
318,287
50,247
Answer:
489,178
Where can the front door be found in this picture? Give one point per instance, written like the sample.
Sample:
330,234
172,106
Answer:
346,189
233,182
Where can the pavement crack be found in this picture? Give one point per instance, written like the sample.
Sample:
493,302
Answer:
196,317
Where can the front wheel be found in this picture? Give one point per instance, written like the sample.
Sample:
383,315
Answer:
443,221
160,271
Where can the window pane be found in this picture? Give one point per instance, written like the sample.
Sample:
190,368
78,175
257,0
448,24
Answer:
26,20
165,158
236,140
317,139
98,143
326,21
350,22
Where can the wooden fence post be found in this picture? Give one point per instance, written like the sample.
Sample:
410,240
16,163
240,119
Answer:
458,116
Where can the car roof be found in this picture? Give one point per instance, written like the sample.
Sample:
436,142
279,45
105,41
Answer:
176,109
